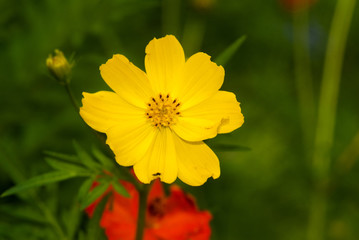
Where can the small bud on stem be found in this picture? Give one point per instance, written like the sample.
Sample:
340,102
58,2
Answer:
59,67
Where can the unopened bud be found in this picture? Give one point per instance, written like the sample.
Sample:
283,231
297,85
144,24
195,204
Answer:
59,67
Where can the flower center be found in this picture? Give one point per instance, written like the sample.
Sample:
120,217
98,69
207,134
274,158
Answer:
163,111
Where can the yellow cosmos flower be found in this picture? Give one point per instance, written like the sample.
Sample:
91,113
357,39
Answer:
156,121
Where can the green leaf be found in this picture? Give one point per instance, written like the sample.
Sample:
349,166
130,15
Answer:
120,189
41,180
94,194
25,213
85,158
71,218
229,147
95,232
229,52
62,165
62,156
82,235
106,161
85,188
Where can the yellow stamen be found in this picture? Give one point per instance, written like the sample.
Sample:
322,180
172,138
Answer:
162,111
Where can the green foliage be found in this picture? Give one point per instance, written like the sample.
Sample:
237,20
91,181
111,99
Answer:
94,232
65,166
119,188
94,169
229,147
40,180
86,159
229,52
94,194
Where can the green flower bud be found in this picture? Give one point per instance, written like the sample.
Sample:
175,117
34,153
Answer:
59,67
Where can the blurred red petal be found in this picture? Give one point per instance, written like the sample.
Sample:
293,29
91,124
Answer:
175,217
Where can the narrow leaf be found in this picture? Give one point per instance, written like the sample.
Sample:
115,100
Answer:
85,158
71,218
62,156
106,161
120,189
94,194
25,213
39,181
229,147
66,166
229,52
85,188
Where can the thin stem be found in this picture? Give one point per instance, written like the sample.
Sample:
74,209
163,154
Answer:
303,77
193,33
171,17
349,156
141,220
326,115
71,95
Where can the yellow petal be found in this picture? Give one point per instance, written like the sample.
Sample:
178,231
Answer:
195,129
127,80
164,63
196,162
218,114
130,140
222,107
202,78
160,160
105,109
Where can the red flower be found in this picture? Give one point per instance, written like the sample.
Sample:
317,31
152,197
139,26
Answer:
173,217
297,5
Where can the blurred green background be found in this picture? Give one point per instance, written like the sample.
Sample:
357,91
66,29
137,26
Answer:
264,192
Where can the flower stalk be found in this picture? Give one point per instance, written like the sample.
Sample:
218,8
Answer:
326,116
71,96
141,220
304,84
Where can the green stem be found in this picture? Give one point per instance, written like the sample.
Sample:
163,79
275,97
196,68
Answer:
71,95
326,115
141,220
171,17
193,34
303,77
349,156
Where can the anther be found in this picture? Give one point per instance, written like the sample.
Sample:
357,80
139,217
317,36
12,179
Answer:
162,110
